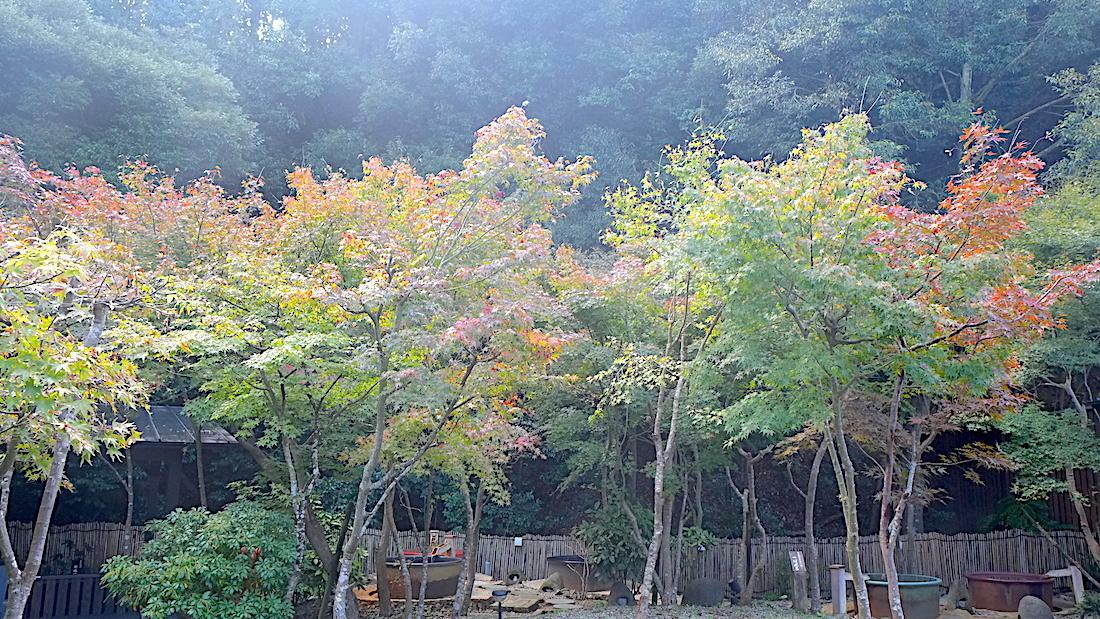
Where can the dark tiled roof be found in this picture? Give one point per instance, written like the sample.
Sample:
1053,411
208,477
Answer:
168,424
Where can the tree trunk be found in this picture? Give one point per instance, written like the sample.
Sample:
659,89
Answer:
649,575
698,503
429,512
350,601
343,603
813,562
677,564
1075,496
668,570
315,531
665,450
127,483
473,538
128,525
20,581
200,466
1082,515
966,83
406,577
846,484
744,562
754,525
887,502
385,604
465,588
297,505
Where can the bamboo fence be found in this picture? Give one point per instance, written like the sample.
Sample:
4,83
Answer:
83,546
947,556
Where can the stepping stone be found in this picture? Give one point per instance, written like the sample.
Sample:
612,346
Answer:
1032,607
521,601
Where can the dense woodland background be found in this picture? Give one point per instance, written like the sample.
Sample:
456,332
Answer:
260,86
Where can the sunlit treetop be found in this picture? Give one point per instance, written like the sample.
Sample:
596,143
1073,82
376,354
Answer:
832,282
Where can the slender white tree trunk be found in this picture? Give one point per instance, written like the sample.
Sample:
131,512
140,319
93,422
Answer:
846,483
885,537
20,580
297,504
1075,497
475,505
812,554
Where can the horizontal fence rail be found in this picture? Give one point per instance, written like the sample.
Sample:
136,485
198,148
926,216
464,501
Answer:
949,557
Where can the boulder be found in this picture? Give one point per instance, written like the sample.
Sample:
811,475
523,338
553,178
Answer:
551,583
620,595
958,595
1032,607
734,592
704,592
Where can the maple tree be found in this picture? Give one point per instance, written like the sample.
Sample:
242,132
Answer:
655,272
361,307
430,282
854,313
1051,441
73,302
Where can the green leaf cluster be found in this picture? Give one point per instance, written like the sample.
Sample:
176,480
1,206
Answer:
230,565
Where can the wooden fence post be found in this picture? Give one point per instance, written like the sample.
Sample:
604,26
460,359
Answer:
838,584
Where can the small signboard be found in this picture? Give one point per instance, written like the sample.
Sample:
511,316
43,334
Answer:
798,562
798,573
517,541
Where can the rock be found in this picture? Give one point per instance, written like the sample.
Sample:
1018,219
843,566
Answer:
1032,607
827,608
551,583
704,592
733,592
956,594
620,595
521,601
368,593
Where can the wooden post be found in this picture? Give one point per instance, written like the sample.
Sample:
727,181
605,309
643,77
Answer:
1075,578
838,583
798,581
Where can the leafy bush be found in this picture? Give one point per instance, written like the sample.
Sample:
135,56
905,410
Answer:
698,539
1012,513
234,564
1090,606
609,542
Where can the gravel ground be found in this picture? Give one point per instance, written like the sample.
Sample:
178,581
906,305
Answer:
757,611
600,610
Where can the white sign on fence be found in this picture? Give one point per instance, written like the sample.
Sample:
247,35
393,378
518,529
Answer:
798,562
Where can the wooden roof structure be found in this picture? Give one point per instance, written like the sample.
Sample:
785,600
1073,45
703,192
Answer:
168,425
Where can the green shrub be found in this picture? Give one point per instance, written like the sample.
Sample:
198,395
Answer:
1090,606
608,539
234,564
